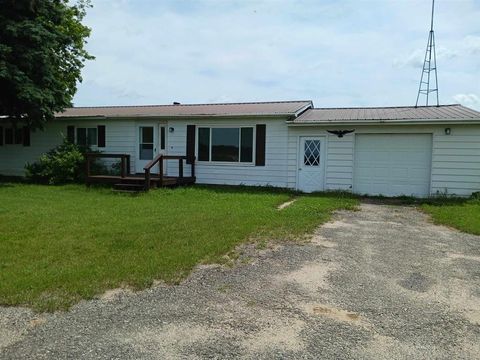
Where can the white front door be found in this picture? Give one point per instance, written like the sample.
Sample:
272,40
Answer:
147,146
311,164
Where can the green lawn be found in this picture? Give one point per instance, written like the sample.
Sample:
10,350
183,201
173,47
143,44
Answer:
60,244
463,215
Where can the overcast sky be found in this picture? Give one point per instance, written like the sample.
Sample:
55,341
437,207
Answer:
334,52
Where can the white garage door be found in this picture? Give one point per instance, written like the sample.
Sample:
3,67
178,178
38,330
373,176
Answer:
393,164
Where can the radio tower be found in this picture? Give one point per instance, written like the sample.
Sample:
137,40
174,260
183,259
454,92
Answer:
429,66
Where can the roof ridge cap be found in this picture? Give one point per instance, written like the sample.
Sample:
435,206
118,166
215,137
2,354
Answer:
196,104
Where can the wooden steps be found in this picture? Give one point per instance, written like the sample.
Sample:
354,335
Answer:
126,182
136,182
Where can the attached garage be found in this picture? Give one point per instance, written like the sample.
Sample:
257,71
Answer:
390,151
392,164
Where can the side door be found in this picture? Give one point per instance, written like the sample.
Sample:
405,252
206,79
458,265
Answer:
311,165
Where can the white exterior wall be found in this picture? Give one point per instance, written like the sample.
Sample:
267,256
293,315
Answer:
455,158
274,173
120,138
456,161
14,157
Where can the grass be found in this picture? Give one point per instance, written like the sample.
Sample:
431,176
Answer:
461,214
457,212
61,244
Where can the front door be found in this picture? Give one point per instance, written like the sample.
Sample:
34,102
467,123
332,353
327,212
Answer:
311,164
147,146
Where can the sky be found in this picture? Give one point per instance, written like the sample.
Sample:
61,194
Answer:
338,53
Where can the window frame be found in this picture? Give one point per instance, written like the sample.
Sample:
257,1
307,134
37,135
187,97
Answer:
15,136
226,163
162,136
86,136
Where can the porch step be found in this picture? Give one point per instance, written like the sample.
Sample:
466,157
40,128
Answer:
129,187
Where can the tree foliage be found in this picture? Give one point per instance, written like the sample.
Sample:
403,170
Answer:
41,56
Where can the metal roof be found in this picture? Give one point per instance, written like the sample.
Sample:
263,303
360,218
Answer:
283,108
408,114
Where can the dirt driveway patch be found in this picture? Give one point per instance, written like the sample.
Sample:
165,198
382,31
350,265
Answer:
380,283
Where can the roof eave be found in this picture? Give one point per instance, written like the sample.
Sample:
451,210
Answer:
386,122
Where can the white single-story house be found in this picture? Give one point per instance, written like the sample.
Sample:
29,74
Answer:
389,151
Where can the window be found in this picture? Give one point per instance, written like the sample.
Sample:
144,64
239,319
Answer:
225,144
311,155
146,143
87,136
162,138
15,136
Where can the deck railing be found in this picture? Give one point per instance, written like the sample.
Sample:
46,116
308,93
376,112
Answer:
124,162
160,160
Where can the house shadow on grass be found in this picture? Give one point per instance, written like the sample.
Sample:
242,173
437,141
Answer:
440,200
243,189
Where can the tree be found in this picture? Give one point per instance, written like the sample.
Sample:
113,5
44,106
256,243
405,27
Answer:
41,57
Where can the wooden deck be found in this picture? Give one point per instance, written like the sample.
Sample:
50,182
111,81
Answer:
142,181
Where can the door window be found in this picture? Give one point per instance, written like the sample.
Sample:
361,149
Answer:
311,153
146,143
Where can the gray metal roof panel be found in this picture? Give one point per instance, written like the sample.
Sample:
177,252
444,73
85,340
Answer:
191,110
454,112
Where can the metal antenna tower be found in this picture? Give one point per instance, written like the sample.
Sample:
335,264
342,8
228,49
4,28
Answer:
429,67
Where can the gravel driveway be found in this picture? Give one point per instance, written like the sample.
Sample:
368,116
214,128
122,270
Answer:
380,283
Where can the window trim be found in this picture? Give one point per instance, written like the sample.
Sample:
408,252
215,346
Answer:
226,163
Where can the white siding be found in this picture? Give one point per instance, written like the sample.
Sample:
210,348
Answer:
274,173
456,161
455,158
120,138
339,157
14,157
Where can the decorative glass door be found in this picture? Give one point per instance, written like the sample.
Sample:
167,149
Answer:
311,164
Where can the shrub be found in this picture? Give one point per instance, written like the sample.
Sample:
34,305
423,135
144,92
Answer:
63,164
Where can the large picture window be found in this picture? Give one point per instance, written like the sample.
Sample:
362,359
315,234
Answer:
225,144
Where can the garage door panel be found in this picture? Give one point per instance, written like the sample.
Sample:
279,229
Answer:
401,173
373,155
392,164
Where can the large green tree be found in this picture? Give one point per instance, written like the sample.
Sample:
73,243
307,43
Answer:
41,56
